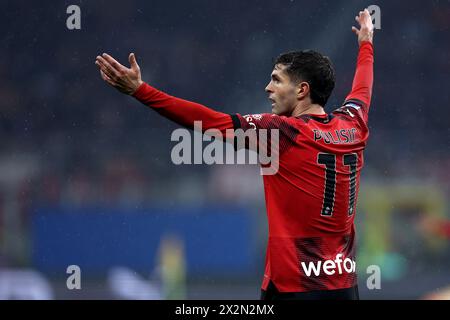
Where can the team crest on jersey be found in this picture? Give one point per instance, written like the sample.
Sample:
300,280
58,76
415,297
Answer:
253,116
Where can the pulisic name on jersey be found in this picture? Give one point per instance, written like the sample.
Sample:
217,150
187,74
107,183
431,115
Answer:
336,136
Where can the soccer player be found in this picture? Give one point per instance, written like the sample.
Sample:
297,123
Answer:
311,200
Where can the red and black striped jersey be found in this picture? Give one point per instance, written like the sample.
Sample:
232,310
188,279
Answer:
311,199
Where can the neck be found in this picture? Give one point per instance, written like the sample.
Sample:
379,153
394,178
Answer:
311,108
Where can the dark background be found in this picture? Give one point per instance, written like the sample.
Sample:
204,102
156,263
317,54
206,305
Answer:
85,172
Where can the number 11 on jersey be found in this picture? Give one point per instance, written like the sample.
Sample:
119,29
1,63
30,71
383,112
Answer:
329,161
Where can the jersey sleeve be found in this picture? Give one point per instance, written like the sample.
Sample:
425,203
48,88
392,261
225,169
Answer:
360,96
184,112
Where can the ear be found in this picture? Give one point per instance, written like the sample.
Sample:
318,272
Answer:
303,90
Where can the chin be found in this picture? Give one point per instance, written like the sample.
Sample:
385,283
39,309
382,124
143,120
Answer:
275,111
278,112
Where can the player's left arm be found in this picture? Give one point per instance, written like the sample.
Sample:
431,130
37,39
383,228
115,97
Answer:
361,92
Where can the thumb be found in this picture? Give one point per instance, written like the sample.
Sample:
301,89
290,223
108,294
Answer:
133,62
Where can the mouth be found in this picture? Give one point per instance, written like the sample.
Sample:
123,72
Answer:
272,101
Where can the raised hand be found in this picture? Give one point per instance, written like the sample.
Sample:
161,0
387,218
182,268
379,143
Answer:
126,80
365,33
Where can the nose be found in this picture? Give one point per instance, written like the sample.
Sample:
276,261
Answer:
268,88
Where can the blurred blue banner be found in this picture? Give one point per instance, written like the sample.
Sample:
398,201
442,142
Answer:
216,240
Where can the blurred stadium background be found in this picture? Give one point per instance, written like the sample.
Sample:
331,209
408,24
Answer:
86,177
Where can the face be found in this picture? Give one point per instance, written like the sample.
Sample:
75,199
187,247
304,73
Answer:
282,91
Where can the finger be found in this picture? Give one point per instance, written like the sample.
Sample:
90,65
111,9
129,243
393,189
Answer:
355,30
111,71
106,78
113,62
99,65
133,62
104,75
103,67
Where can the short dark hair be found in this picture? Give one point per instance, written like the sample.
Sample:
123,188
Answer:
312,67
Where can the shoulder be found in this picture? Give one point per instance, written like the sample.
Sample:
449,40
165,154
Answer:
265,121
351,110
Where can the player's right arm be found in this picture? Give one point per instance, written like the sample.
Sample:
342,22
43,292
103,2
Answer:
183,112
361,92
